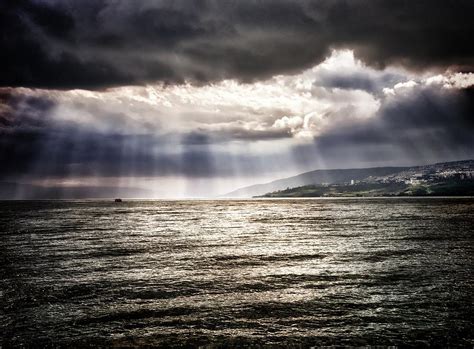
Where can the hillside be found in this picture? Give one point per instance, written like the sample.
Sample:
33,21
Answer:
364,189
397,175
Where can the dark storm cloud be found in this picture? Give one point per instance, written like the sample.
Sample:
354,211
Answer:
34,146
358,80
67,153
430,123
22,111
23,121
232,134
94,44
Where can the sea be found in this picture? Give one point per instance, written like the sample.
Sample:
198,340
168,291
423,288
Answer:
260,273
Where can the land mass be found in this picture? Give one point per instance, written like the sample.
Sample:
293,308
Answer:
440,179
366,189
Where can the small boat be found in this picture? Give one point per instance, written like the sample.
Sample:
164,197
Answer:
118,200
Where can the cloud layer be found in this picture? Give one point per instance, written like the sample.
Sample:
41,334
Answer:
187,98
340,113
96,43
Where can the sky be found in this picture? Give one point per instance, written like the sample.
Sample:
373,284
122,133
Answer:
173,99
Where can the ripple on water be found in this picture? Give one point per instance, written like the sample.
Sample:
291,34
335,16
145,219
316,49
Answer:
289,273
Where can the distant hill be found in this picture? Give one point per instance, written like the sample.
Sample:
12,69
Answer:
341,176
446,187
315,177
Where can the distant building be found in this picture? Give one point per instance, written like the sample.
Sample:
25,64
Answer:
352,182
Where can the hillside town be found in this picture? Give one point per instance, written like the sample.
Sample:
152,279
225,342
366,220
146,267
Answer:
442,179
458,171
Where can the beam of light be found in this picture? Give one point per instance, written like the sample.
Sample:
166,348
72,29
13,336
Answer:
251,132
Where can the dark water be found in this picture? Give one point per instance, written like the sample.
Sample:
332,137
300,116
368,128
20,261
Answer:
268,273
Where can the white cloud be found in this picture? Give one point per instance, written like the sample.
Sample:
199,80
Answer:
456,80
292,123
405,85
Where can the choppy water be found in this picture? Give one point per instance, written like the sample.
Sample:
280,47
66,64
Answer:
290,273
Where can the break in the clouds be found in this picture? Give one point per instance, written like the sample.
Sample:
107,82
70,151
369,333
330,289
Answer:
161,98
97,43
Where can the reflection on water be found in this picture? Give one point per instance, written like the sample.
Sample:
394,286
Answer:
290,273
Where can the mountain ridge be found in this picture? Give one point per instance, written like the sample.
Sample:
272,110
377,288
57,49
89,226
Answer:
333,176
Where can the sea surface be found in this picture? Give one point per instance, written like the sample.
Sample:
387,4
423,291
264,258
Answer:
237,273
